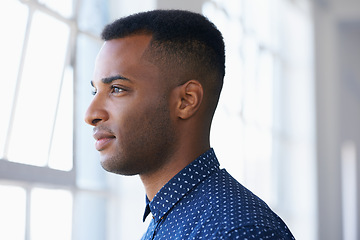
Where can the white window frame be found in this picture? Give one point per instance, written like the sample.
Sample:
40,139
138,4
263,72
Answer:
27,176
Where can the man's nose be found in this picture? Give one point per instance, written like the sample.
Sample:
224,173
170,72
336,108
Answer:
96,112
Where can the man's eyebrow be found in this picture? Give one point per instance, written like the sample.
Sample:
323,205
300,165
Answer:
108,80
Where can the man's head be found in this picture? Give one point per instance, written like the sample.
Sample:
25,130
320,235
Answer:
184,46
158,74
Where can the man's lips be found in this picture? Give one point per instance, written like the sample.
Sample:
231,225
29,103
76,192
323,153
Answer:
103,139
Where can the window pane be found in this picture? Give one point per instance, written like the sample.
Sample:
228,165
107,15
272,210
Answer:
258,19
264,90
51,214
10,47
61,154
90,216
64,7
39,91
12,209
93,16
258,163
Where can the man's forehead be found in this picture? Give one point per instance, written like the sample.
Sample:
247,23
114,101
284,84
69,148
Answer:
125,57
134,42
129,49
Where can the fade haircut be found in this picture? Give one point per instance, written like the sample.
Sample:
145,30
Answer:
184,45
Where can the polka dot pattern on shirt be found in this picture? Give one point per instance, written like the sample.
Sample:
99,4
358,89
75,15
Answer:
204,202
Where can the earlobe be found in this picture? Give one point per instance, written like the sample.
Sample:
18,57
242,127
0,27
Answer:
190,99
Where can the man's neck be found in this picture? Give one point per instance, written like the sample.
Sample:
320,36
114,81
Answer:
154,181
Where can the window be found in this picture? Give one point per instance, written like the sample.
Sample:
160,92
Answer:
13,212
39,95
263,128
48,49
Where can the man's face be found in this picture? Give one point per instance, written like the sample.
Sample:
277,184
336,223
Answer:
130,110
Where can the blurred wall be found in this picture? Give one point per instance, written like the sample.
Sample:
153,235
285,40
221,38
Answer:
337,53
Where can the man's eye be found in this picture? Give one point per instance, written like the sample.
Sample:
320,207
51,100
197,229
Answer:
93,92
116,89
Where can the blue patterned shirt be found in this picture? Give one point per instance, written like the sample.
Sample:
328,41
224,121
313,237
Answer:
204,202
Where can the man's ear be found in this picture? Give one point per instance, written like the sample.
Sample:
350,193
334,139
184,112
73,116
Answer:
189,99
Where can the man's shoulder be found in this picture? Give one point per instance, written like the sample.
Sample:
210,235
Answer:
228,209
224,192
226,196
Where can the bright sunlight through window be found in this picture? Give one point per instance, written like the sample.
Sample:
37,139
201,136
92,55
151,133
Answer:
12,209
37,127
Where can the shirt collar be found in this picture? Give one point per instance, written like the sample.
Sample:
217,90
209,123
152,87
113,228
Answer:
181,184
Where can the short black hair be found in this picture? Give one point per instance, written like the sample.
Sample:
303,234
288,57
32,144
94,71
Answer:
186,45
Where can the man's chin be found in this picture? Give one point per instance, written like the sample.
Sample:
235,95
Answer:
113,166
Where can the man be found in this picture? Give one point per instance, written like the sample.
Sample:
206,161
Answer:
157,82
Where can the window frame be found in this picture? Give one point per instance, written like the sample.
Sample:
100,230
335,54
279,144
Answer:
29,177
39,174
